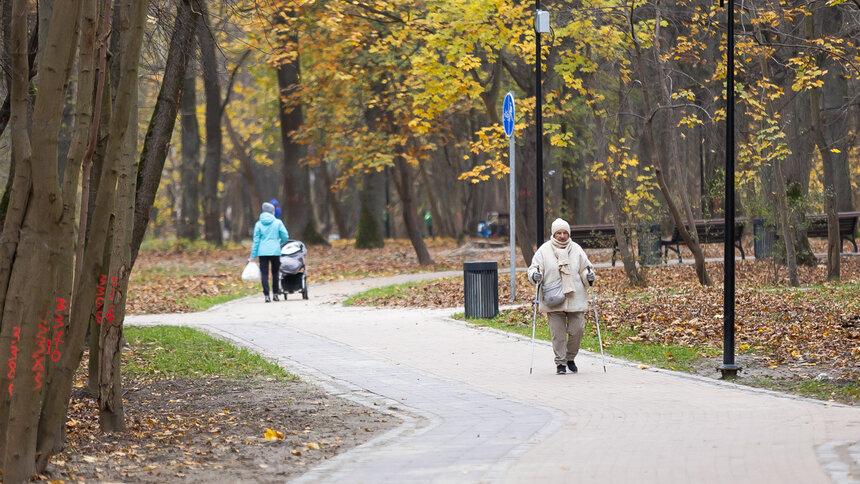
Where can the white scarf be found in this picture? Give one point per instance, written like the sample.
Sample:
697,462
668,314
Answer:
560,250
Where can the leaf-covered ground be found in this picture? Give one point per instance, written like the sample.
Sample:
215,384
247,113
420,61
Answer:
179,280
210,429
815,327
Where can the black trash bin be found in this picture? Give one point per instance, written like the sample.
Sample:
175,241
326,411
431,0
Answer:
763,238
481,287
649,245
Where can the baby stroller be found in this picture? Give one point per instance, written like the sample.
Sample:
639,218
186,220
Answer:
293,268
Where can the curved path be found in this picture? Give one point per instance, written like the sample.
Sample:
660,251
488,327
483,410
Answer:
473,413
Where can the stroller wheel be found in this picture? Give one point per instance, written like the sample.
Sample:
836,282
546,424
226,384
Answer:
304,288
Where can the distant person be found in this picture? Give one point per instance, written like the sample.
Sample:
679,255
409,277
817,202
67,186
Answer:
269,235
274,202
563,260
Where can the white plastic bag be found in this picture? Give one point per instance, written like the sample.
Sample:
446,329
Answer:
251,272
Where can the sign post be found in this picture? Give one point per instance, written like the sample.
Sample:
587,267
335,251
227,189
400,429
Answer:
508,123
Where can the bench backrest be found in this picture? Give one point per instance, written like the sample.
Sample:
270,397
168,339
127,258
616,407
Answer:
818,224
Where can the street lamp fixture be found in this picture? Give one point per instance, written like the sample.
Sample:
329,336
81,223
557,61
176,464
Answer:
541,27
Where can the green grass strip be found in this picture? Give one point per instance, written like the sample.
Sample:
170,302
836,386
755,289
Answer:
673,357
397,291
178,352
206,301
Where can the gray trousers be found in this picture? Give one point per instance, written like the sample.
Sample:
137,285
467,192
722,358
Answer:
566,330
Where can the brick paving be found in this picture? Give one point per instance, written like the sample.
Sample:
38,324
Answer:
473,413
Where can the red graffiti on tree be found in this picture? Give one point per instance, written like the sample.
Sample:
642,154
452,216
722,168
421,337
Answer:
59,325
111,307
12,360
100,298
39,355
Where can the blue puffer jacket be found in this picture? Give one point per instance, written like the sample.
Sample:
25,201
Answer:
269,234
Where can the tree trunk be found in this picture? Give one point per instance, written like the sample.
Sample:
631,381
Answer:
599,133
369,232
111,415
238,224
431,200
331,197
691,240
190,171
836,100
296,180
797,168
403,184
833,240
160,130
786,228
212,160
27,302
241,150
818,134
52,425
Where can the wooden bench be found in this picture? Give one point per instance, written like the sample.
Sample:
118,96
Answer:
847,227
595,236
710,231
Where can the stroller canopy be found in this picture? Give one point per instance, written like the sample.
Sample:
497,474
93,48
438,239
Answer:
293,257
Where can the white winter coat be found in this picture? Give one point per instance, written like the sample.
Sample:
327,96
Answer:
546,262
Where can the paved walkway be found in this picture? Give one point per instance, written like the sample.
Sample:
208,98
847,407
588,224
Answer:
473,413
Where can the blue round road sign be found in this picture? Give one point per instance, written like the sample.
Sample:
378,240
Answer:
508,114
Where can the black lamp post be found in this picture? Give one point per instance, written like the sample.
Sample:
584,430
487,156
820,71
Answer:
538,129
729,369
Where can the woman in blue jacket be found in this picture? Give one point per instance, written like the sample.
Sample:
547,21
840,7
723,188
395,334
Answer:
269,235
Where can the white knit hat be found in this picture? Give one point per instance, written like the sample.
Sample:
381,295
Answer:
559,224
268,207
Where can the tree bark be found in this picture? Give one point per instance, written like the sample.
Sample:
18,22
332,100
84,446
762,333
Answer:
833,240
369,234
296,181
782,209
190,171
431,200
818,134
212,158
111,415
690,238
835,102
27,302
160,130
52,424
246,164
403,184
331,197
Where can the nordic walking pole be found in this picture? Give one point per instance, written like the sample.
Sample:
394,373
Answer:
597,323
534,324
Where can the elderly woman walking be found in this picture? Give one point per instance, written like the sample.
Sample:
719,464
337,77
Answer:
269,235
563,270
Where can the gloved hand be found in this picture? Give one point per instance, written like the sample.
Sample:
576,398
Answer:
590,277
537,277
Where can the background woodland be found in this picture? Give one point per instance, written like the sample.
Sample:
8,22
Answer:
380,119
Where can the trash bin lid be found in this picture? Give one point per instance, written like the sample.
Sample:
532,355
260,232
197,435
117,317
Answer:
480,266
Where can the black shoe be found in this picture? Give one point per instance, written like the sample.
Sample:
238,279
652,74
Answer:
267,298
572,366
560,369
275,297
